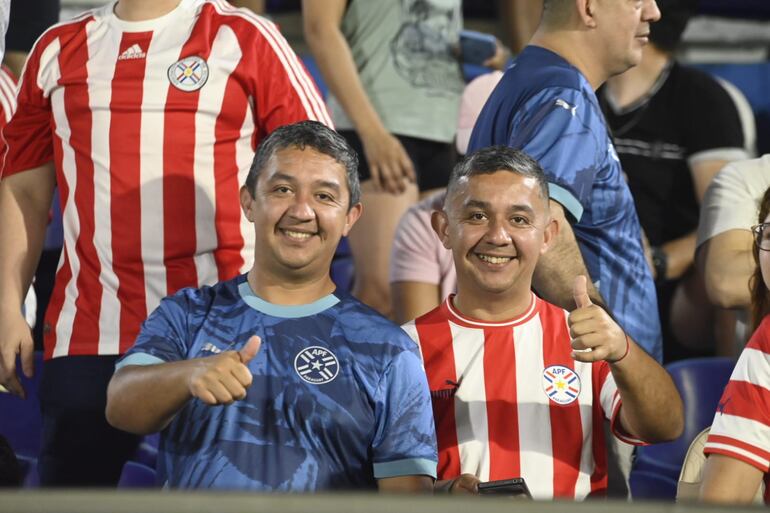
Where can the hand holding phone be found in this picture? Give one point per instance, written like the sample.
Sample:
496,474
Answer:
515,487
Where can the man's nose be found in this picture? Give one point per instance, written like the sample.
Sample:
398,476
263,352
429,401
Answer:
301,208
497,233
651,12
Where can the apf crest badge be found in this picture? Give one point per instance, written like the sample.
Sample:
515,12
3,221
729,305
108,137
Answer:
316,365
561,384
189,74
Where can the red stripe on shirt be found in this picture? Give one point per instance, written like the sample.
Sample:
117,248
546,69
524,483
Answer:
438,356
740,444
72,61
567,444
502,416
746,400
179,238
125,186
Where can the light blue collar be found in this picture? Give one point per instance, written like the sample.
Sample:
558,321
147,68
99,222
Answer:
285,311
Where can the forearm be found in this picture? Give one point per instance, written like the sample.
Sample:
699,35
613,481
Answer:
335,61
727,266
729,480
143,399
25,200
652,408
680,254
557,268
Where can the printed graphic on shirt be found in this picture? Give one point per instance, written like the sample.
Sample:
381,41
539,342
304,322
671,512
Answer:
189,74
316,365
561,384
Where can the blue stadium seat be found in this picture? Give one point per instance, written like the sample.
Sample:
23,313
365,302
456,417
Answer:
647,485
29,470
147,452
136,475
20,420
700,382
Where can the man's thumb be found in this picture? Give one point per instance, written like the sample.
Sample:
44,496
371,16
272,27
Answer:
250,350
580,292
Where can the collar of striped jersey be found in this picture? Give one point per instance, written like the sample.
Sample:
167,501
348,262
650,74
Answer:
285,311
146,25
456,317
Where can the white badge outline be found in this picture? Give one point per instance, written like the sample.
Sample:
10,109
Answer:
188,88
318,382
561,398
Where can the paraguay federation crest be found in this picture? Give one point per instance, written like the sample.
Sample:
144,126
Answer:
188,74
561,384
316,365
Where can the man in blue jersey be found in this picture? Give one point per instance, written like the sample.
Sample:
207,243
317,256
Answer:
545,105
273,381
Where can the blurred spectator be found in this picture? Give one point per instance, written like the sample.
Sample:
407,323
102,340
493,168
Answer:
674,127
421,270
257,6
520,18
147,143
395,85
5,11
545,105
27,22
738,445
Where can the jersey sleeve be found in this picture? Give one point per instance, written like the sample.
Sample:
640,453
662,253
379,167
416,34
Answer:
714,130
415,246
562,130
284,92
163,336
404,441
741,427
610,401
28,135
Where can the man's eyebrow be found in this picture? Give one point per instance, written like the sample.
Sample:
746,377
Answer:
329,184
474,203
281,177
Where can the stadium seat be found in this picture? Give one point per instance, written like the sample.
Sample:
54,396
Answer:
136,475
147,452
20,421
651,486
700,382
29,470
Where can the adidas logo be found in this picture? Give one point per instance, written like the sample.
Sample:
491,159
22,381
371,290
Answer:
132,52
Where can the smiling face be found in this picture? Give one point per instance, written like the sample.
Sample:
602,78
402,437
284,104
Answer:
625,27
497,226
300,212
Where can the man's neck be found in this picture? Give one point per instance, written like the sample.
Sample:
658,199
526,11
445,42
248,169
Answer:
573,46
490,307
280,291
143,10
629,87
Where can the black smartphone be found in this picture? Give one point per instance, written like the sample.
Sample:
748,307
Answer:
476,47
515,487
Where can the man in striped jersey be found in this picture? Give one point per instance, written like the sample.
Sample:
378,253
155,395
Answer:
146,114
520,387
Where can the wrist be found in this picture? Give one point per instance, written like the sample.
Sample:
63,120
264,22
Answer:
625,353
659,263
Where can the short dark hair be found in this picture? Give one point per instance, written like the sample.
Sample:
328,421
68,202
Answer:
308,134
498,158
666,33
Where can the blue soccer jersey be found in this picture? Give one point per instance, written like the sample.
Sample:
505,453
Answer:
339,396
544,106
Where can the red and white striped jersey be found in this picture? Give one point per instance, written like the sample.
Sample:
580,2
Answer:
152,127
741,427
509,400
7,95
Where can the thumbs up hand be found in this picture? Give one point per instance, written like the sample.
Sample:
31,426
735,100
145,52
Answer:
224,378
595,335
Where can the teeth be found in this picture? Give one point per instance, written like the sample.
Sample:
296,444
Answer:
495,259
297,235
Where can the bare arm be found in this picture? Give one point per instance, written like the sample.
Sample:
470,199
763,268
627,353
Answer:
25,199
412,484
388,161
727,264
702,173
556,270
258,6
143,399
680,254
729,480
411,299
652,409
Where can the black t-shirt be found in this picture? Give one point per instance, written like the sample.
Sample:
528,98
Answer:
686,113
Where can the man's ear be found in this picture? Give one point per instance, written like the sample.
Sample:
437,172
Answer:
440,223
585,10
353,215
550,235
247,202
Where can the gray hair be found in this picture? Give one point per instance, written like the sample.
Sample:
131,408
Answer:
308,134
498,158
